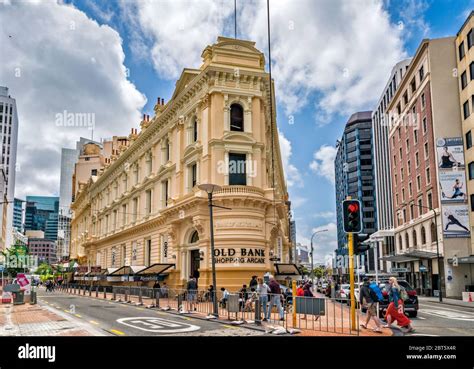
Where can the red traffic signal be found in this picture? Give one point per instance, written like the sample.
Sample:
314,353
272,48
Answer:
352,216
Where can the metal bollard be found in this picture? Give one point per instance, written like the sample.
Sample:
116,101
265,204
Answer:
105,292
97,291
157,303
257,312
140,296
114,294
84,291
90,291
180,300
126,297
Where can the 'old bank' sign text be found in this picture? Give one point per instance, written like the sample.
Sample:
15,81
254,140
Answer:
240,255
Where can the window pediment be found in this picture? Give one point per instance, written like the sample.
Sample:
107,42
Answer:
239,137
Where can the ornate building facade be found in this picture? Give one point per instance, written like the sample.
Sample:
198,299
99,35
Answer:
145,207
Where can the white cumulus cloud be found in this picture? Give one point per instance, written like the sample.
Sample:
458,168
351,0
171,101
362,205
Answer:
292,174
323,163
56,59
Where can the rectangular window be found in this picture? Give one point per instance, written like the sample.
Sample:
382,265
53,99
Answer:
425,126
403,194
124,215
165,194
412,212
472,202
426,150
471,70
418,183
415,135
193,175
410,190
115,220
421,73
420,205
148,197
471,170
408,145
93,172
413,86
468,140
465,109
405,98
470,39
237,169
401,173
408,167
463,80
423,101
417,160
400,153
148,252
428,176
461,51
134,209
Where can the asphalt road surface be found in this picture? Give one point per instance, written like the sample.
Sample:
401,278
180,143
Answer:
129,320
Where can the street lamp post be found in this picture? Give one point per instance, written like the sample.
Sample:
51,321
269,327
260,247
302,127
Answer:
440,294
210,188
312,258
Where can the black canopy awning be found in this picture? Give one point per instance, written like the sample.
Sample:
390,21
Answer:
128,270
158,268
287,269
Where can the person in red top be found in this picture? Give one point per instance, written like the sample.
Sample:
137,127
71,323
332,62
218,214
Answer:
299,291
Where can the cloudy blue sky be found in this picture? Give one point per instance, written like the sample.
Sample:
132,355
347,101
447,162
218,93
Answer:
330,58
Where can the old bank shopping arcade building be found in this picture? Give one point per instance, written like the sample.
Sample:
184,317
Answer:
144,218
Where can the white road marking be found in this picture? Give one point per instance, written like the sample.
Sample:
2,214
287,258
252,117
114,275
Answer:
158,325
448,314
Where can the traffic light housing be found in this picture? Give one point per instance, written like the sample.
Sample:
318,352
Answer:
352,216
359,247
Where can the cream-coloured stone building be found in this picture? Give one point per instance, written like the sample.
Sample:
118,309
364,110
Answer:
145,207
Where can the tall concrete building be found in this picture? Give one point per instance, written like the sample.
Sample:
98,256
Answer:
428,186
382,170
145,208
465,70
354,176
8,144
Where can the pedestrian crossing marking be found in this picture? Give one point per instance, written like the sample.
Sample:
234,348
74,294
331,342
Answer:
93,322
79,316
120,333
229,326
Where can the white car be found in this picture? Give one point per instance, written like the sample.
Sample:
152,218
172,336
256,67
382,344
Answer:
343,293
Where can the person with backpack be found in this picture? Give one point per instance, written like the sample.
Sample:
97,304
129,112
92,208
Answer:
368,300
191,289
275,299
397,295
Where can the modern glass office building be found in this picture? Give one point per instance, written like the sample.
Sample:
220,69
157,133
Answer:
42,215
355,174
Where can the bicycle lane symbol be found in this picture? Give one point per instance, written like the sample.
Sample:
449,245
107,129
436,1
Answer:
158,325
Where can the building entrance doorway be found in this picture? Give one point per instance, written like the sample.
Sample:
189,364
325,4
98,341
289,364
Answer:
195,264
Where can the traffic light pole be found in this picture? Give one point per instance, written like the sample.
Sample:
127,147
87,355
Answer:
350,237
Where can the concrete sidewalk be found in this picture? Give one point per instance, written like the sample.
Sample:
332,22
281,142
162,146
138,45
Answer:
35,320
447,301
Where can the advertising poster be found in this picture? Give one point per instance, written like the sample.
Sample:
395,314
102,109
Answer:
453,186
455,221
450,152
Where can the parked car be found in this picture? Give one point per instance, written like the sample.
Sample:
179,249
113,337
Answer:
410,305
343,293
323,287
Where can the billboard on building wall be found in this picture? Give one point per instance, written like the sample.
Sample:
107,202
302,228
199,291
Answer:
452,187
450,153
455,220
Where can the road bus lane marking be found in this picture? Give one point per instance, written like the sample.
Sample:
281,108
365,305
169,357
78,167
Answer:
158,325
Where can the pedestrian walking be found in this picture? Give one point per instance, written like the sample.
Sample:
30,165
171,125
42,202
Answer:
164,290
368,300
243,296
225,297
262,291
299,291
191,290
307,294
395,310
275,298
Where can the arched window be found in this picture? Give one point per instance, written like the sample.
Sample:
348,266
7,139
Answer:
194,237
433,233
407,241
400,243
236,118
195,130
415,241
423,235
